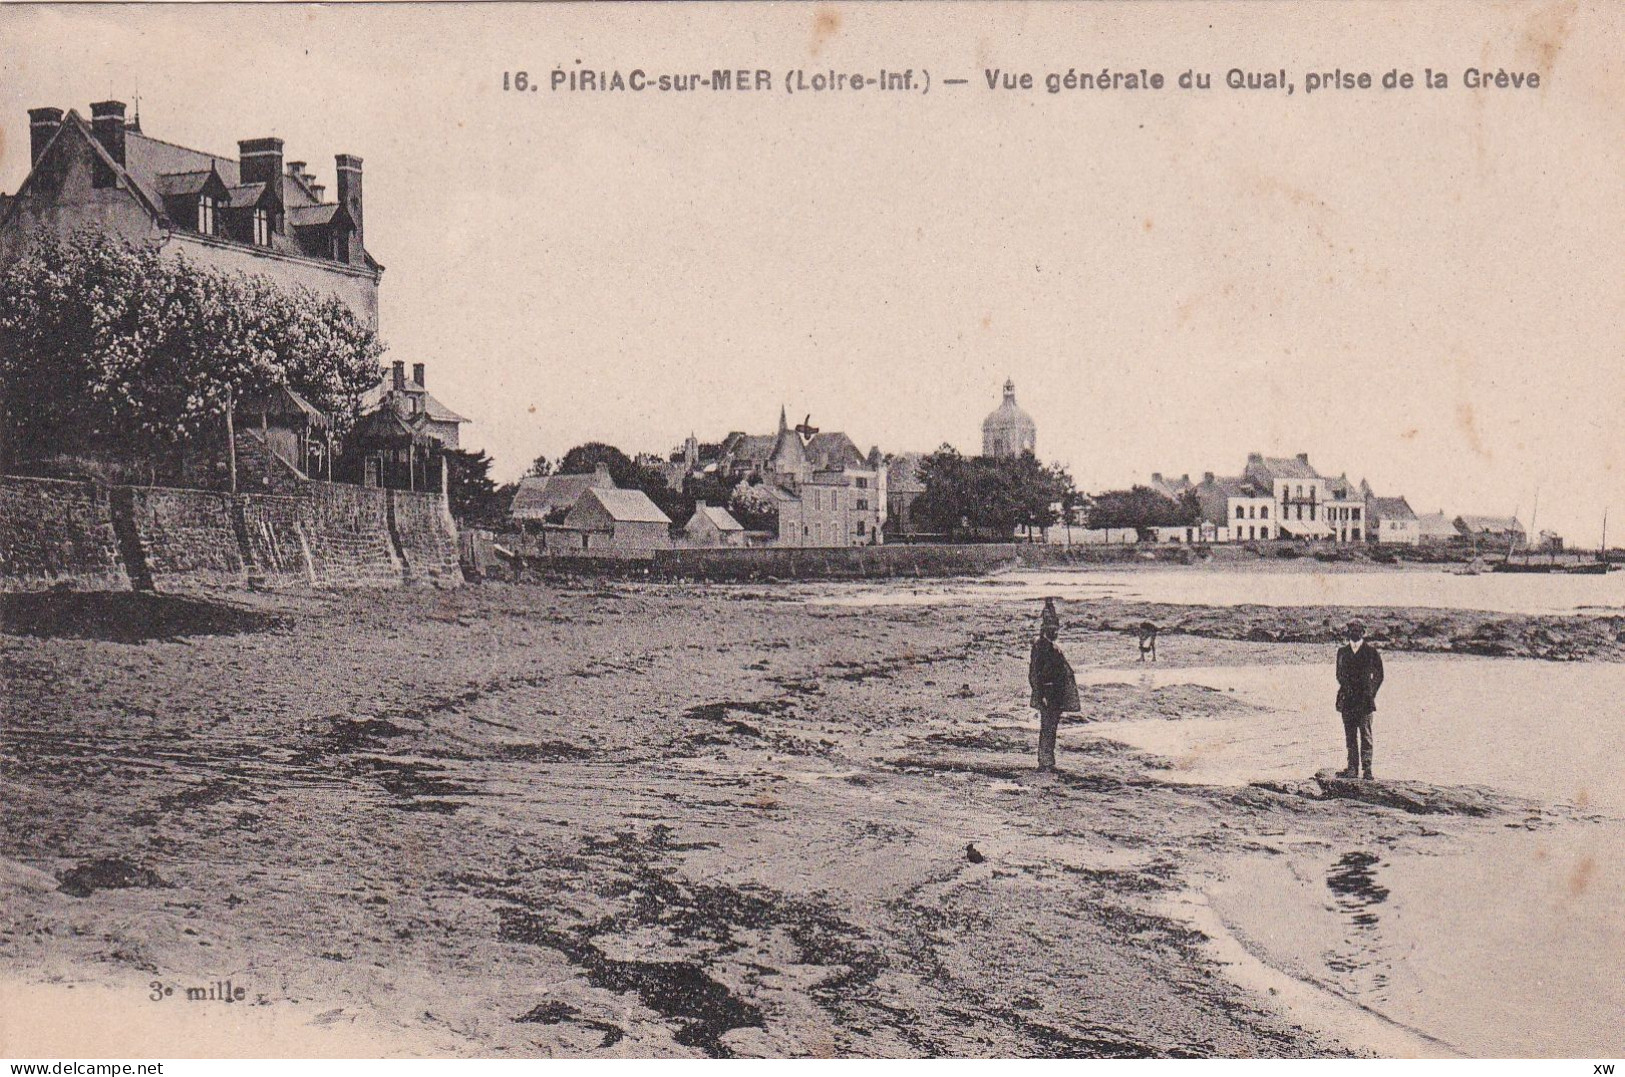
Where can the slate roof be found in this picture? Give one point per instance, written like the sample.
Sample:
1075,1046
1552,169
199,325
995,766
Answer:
1282,467
432,407
1492,525
720,517
833,450
628,506
154,169
1392,508
180,183
302,216
539,495
1437,525
748,448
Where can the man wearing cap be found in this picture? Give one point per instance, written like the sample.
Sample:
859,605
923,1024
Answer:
1359,675
1055,690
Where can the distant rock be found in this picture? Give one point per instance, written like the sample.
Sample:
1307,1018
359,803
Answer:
1418,798
973,854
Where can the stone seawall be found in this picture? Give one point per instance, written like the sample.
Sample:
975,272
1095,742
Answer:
425,536
58,534
84,536
274,532
187,538
347,528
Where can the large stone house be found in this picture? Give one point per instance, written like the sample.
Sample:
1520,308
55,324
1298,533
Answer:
1307,504
827,492
254,212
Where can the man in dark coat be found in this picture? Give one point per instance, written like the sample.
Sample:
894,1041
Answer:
1359,675
1055,690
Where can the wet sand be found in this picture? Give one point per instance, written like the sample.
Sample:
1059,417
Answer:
635,820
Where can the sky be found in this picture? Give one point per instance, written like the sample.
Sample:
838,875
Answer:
1421,288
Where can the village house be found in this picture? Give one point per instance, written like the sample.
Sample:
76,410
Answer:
1392,522
835,495
1491,530
713,525
411,399
254,212
624,521
1234,509
1172,489
1307,504
826,490
1344,511
543,499
1436,528
401,437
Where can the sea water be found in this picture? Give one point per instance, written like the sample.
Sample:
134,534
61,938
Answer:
1283,585
1505,941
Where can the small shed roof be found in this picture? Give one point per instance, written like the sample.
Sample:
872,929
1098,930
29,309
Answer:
720,518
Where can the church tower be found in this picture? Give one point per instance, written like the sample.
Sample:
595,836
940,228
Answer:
1009,431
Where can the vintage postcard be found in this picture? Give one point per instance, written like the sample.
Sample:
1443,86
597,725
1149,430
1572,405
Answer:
839,530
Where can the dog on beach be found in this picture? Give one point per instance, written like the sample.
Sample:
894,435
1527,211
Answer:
1148,641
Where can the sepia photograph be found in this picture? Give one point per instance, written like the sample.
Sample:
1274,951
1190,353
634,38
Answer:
801,530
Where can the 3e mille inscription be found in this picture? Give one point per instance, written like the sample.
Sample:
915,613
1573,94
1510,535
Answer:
219,991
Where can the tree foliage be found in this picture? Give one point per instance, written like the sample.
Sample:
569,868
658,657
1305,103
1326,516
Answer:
106,345
1142,507
475,497
754,507
990,496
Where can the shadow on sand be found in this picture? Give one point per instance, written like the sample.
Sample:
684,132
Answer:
125,616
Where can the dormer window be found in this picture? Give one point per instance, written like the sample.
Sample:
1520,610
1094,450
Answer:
262,226
206,207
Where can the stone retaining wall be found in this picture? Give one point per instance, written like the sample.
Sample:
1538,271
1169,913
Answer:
58,534
91,537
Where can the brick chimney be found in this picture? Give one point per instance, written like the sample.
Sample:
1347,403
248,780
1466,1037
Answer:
107,121
349,186
42,127
259,160
1207,477
399,373
417,375
1303,458
1156,476
1255,458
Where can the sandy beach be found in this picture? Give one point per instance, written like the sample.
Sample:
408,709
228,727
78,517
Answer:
624,819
